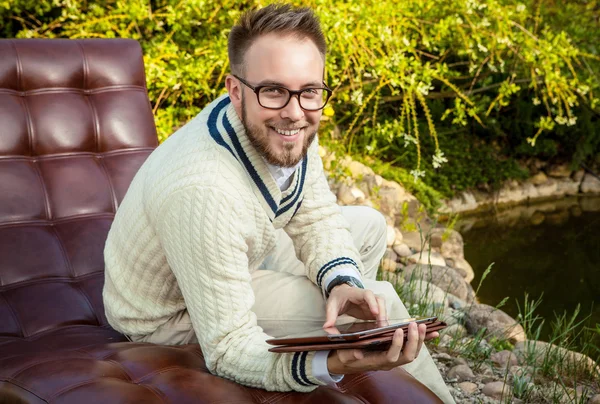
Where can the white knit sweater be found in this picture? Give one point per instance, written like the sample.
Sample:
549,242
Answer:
198,219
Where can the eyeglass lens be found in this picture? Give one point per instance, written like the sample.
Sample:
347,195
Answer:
277,97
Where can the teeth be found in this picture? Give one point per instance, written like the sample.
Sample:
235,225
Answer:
287,132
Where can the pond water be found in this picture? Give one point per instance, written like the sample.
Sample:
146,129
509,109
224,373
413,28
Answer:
550,249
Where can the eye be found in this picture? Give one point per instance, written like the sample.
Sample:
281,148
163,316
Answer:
273,90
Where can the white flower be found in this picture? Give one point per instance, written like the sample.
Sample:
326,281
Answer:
521,7
572,121
417,173
439,159
536,101
561,120
408,139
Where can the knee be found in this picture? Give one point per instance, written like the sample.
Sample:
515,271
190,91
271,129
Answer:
376,223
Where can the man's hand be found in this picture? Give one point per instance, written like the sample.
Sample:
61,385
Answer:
347,361
356,302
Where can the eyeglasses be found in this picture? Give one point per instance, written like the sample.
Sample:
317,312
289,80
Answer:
277,97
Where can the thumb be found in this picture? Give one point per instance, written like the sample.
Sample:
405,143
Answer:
331,312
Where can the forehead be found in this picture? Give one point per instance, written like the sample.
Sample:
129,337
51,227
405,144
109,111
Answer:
285,59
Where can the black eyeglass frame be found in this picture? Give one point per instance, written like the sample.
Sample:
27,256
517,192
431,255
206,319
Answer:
291,93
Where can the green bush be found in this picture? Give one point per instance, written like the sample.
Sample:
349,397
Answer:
450,90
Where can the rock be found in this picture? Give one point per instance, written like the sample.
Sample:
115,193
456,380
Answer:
447,279
455,331
388,263
461,373
497,390
468,387
590,184
391,235
391,198
402,250
566,186
537,351
451,316
426,293
463,268
359,170
436,240
504,358
538,179
345,195
522,372
595,399
399,237
578,175
548,188
442,356
465,201
427,258
497,322
459,361
453,244
508,194
559,170
414,241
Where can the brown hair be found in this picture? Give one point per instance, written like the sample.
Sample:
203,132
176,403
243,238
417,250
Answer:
280,18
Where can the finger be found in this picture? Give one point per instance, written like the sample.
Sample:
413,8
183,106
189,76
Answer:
422,331
369,297
431,335
395,350
332,330
410,348
349,355
382,317
332,310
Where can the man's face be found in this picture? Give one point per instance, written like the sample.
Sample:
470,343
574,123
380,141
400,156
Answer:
281,136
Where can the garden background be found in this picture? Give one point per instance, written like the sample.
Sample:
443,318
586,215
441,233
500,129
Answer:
440,96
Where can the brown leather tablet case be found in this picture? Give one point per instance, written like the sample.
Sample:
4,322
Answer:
378,342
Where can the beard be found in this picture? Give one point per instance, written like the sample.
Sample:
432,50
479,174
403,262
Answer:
259,138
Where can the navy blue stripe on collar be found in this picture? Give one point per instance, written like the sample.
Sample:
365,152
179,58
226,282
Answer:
212,125
303,170
290,196
249,167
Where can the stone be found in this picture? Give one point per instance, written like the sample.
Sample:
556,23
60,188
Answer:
497,390
595,399
420,291
522,372
504,358
463,268
566,186
345,195
538,179
455,331
461,373
447,279
390,235
414,241
497,323
402,250
529,191
464,202
388,263
578,175
436,240
359,170
453,244
507,194
547,189
537,351
391,198
459,361
590,184
559,170
399,237
468,387
427,258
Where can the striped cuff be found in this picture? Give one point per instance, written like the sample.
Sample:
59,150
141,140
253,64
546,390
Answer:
344,270
300,370
327,270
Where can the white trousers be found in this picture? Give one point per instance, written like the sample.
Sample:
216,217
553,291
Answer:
284,295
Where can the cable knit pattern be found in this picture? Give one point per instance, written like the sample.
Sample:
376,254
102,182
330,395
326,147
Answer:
198,219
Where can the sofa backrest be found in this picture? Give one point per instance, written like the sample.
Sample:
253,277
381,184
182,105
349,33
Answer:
75,126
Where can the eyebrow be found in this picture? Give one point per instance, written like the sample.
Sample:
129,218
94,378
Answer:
278,84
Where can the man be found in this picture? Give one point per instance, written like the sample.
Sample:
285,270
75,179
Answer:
229,233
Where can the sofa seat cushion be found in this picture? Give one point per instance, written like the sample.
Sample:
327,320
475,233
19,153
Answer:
88,365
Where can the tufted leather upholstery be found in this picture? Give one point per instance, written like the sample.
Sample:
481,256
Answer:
75,126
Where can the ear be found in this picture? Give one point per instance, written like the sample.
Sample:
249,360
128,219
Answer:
235,91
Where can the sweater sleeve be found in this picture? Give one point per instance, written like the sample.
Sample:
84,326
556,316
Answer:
321,234
205,235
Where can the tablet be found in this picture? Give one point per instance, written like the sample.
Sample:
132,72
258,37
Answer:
348,332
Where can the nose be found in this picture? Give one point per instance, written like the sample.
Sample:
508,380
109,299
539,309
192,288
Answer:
292,110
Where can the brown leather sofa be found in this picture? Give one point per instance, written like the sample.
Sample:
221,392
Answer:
75,126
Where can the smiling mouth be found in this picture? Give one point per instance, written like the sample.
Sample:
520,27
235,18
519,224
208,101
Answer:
289,133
